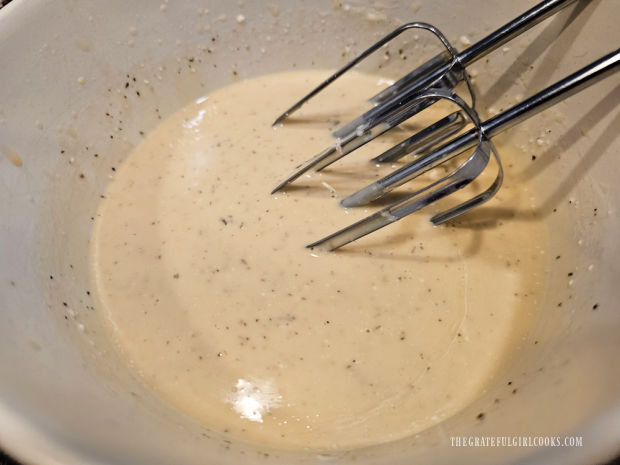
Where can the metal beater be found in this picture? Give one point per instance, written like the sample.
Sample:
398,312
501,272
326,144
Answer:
433,81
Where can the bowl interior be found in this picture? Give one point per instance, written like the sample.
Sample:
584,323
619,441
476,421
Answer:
66,397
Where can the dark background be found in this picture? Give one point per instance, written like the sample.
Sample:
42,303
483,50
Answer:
4,460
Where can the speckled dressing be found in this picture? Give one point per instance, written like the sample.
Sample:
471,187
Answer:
215,302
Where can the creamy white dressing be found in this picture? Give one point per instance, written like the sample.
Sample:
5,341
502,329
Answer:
213,299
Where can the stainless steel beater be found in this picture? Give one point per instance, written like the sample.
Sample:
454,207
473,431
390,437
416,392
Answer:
478,137
434,81
399,102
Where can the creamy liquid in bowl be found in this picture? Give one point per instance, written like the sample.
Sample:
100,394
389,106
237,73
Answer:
212,298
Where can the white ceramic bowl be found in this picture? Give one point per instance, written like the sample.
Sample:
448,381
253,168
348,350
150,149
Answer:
65,396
